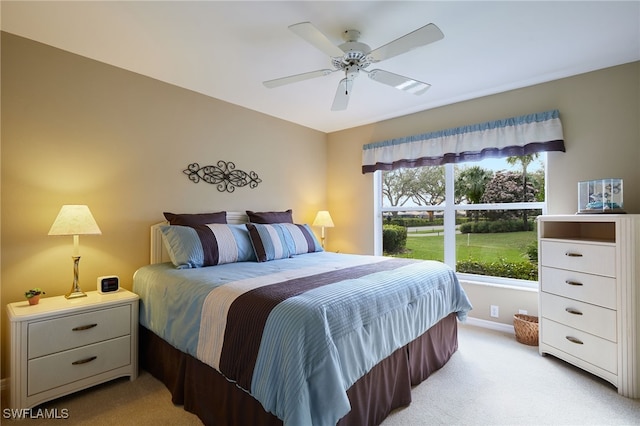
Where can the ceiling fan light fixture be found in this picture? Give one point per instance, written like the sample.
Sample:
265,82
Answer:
352,71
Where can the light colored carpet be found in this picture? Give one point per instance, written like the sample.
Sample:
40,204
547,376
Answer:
491,380
494,380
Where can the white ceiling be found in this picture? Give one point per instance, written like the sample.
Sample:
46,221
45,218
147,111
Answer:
226,49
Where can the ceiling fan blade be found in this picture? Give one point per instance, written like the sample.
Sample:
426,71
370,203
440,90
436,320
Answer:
420,37
296,78
312,35
343,92
399,82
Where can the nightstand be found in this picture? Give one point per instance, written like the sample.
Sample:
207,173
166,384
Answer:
60,345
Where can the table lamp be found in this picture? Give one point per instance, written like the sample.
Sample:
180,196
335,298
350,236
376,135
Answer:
75,220
323,219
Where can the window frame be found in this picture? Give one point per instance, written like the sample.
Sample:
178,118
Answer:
449,210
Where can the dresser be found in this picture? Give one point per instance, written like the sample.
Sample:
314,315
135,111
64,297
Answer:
589,272
61,345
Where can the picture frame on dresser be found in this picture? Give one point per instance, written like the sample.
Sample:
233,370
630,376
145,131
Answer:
61,346
589,295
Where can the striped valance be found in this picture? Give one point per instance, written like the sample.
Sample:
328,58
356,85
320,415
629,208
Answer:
510,137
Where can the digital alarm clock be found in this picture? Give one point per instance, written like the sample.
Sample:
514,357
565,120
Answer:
108,284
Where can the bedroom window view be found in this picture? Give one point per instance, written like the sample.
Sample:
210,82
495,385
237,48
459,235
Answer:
488,230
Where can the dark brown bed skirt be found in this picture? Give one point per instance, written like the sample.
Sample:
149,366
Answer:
216,401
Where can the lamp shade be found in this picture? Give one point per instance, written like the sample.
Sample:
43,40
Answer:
74,220
323,218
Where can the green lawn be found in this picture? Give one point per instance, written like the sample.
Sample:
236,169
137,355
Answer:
482,247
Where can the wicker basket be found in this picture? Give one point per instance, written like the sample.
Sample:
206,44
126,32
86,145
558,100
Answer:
526,327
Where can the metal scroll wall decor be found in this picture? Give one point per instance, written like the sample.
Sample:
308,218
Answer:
223,174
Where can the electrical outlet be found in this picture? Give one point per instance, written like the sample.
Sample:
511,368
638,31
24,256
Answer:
522,311
495,311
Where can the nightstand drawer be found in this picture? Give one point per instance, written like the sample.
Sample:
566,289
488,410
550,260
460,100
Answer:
578,256
594,350
592,319
55,370
594,289
56,335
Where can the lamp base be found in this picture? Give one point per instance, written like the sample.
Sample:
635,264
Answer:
75,294
75,287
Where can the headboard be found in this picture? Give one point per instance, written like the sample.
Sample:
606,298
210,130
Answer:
159,252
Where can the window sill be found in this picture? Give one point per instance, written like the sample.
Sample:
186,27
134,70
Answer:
508,283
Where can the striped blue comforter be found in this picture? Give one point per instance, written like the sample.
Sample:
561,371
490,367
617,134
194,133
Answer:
297,333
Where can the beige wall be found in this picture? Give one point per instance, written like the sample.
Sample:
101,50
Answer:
600,115
76,131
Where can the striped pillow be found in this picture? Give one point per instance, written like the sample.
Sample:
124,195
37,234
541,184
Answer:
281,240
207,245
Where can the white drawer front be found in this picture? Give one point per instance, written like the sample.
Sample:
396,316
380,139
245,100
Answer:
583,316
578,256
59,369
51,336
594,350
594,289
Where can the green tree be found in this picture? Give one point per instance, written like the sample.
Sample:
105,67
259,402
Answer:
470,185
506,187
429,186
397,186
423,186
524,161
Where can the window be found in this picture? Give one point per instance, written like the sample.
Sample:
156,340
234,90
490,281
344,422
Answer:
477,217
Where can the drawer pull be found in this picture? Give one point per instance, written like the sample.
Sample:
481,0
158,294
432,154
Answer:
573,254
573,282
84,327
84,361
573,311
574,340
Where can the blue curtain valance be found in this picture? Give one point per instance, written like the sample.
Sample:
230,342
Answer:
516,136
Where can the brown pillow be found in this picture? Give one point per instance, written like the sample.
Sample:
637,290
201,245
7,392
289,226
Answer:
270,217
193,219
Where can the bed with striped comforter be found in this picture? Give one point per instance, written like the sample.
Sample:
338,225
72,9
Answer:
296,333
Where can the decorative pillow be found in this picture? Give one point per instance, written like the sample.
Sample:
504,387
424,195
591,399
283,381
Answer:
207,245
189,219
270,217
281,240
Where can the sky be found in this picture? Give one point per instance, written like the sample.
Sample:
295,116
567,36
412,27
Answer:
496,164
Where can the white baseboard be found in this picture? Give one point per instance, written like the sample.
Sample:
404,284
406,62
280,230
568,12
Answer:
505,328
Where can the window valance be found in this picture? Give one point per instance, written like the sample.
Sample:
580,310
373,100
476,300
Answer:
516,136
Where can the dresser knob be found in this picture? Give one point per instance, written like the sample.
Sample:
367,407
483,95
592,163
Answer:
573,311
84,327
574,340
572,254
84,361
573,282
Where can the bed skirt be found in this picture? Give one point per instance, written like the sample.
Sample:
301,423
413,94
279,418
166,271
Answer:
216,401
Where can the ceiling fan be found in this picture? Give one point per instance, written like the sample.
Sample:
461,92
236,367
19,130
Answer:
353,57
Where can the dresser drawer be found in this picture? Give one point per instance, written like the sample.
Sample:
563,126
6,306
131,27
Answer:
594,350
55,370
56,335
592,319
588,258
594,289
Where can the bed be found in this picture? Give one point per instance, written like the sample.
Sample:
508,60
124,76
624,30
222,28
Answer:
274,335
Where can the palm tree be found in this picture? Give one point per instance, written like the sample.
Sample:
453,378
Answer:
471,184
524,161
